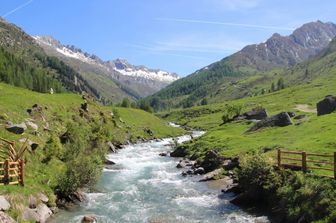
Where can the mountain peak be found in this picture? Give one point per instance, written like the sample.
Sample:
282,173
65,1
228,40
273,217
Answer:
281,51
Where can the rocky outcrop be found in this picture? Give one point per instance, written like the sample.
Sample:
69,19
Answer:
148,131
212,175
281,120
256,113
180,151
4,218
212,161
32,125
17,128
39,214
4,204
326,106
33,145
109,162
111,147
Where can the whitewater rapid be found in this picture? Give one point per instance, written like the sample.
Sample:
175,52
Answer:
144,187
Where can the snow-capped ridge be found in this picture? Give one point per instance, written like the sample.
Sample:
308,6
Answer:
121,66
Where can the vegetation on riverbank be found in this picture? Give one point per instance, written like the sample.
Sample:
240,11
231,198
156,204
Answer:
72,139
289,196
296,196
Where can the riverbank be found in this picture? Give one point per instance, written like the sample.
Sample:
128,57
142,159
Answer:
143,183
69,136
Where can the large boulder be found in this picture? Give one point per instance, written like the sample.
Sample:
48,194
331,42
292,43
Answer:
212,175
281,120
256,113
17,128
212,161
4,204
180,151
39,214
326,106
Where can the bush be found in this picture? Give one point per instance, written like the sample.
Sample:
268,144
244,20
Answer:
257,176
84,154
303,198
81,172
231,111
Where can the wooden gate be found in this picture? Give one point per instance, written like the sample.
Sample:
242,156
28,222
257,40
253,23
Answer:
11,163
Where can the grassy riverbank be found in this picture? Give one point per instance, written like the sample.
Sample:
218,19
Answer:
75,161
292,195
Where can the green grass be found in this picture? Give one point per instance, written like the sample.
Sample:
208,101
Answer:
315,134
58,110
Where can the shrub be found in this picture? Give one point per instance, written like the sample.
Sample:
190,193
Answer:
257,176
231,111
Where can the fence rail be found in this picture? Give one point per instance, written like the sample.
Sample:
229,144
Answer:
302,160
11,163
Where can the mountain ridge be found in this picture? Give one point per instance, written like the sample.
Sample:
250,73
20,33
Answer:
139,80
278,52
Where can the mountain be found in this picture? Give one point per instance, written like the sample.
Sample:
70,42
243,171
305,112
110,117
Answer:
137,81
236,76
283,51
24,63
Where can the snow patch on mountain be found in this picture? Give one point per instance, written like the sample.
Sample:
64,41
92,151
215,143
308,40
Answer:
120,66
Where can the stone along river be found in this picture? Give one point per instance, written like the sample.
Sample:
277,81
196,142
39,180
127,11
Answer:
145,187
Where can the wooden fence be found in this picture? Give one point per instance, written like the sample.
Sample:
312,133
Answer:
307,161
11,163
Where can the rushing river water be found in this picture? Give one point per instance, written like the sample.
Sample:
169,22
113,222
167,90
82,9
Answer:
144,187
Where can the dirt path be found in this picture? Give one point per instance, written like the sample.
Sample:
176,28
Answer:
305,108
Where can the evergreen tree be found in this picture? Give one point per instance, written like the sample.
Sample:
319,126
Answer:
125,103
272,87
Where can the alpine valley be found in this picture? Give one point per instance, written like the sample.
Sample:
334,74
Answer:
247,139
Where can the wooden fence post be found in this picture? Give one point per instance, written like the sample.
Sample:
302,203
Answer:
21,163
304,162
335,165
279,158
6,179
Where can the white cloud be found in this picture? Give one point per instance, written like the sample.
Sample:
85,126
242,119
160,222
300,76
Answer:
196,43
224,23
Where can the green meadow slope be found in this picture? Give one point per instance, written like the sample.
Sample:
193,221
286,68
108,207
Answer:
312,133
52,168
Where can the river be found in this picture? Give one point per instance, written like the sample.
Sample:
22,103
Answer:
144,187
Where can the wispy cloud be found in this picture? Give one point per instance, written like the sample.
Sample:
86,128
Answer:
224,23
194,44
17,9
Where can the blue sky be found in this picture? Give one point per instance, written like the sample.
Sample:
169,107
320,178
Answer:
176,35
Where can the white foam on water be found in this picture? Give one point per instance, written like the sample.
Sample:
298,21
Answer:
144,186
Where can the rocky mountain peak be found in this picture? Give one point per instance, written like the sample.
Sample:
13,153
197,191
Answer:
281,51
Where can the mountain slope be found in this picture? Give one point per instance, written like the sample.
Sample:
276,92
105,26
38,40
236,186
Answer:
218,81
25,64
137,81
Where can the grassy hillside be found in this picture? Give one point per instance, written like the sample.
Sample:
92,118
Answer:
250,72
87,133
312,134
24,63
291,196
